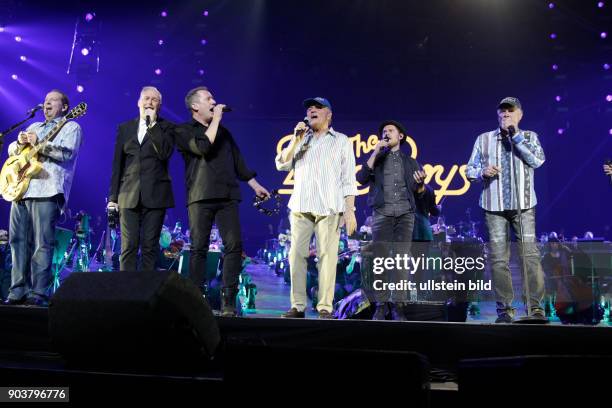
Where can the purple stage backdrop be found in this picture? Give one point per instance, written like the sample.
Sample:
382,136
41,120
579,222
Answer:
440,68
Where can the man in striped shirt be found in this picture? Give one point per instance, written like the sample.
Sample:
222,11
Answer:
323,200
502,160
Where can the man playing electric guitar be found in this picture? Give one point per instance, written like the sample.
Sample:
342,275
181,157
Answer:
34,216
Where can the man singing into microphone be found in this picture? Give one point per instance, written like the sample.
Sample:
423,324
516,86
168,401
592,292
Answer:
323,199
140,184
498,158
213,167
395,178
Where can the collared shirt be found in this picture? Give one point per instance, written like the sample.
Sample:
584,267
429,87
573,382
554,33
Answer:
324,173
489,150
142,129
394,187
58,159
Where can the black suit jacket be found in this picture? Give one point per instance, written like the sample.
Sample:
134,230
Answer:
212,171
140,172
375,177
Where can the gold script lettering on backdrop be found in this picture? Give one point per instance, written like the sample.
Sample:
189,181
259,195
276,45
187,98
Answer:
435,172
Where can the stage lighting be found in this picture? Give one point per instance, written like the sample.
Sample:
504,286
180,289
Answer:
203,41
553,36
610,131
1,29
23,58
606,66
551,5
14,76
158,71
560,131
80,88
600,4
160,42
164,13
85,51
603,35
89,16
18,38
205,14
555,67
558,98
609,98
201,71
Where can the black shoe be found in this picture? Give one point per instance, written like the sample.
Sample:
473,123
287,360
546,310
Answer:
228,301
14,302
504,318
37,302
293,313
324,314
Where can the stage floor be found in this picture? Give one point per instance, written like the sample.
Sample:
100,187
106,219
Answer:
273,299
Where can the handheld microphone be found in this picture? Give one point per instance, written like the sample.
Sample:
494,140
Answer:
225,109
35,109
306,121
148,120
511,130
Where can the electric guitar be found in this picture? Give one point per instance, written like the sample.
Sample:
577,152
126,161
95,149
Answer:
18,170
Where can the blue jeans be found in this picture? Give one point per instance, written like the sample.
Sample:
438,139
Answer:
32,240
499,249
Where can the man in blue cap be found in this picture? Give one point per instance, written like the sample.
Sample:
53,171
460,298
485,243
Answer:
498,159
323,200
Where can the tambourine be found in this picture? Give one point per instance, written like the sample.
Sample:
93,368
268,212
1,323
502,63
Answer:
273,208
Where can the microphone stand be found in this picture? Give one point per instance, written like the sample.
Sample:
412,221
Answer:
13,127
529,319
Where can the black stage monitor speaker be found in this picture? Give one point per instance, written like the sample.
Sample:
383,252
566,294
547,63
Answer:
131,318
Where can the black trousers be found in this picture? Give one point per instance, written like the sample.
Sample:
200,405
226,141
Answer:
140,227
202,214
392,236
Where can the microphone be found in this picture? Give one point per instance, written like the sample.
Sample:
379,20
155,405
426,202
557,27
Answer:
225,109
609,163
35,109
306,121
511,130
148,120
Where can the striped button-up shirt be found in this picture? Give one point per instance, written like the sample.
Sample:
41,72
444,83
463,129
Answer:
324,173
58,159
488,151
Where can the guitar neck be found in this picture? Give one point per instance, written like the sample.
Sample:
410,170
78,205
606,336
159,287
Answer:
50,136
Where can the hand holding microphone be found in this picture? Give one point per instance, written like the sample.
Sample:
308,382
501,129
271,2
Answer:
218,110
300,129
150,116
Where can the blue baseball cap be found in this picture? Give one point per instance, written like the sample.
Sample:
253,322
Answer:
510,101
317,101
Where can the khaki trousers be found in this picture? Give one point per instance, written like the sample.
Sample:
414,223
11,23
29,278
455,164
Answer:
327,233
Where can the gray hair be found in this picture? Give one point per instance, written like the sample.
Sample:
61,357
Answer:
191,96
151,88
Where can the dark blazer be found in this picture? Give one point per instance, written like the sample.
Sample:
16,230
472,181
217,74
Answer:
375,177
212,171
140,172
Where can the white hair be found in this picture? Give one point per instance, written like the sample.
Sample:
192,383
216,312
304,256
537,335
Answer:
151,88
